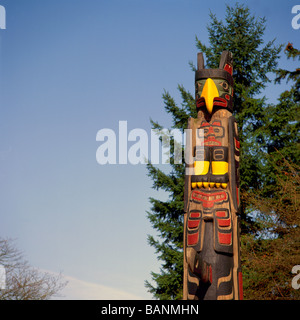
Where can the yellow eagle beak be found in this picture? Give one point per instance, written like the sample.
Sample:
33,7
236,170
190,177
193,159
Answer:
209,92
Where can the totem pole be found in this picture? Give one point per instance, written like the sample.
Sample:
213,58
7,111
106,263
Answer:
212,268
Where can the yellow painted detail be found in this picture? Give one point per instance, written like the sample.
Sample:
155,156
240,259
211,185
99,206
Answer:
224,185
211,184
205,184
218,185
194,185
219,167
201,167
199,184
209,92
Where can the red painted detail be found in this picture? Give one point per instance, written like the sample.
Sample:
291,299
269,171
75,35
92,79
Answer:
227,96
224,238
211,130
205,124
216,123
237,143
237,196
193,224
195,214
224,222
221,214
210,274
200,102
212,140
208,199
221,102
192,239
241,285
228,68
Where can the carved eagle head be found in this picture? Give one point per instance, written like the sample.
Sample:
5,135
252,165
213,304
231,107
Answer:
214,87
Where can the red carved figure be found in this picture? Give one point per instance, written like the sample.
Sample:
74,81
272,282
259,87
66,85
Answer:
212,268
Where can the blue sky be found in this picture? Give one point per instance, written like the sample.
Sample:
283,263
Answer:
69,68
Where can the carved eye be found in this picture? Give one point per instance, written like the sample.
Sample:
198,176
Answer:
225,85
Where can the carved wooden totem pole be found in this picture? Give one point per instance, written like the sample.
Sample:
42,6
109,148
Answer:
212,268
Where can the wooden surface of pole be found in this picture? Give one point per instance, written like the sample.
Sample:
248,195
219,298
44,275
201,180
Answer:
212,267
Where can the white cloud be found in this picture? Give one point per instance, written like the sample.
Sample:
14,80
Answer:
82,290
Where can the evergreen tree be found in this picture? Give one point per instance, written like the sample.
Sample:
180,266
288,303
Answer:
242,34
268,259
269,256
280,131
282,120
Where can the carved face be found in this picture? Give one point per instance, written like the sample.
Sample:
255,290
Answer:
213,93
214,87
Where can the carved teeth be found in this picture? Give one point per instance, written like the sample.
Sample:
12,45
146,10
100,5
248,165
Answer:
208,185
